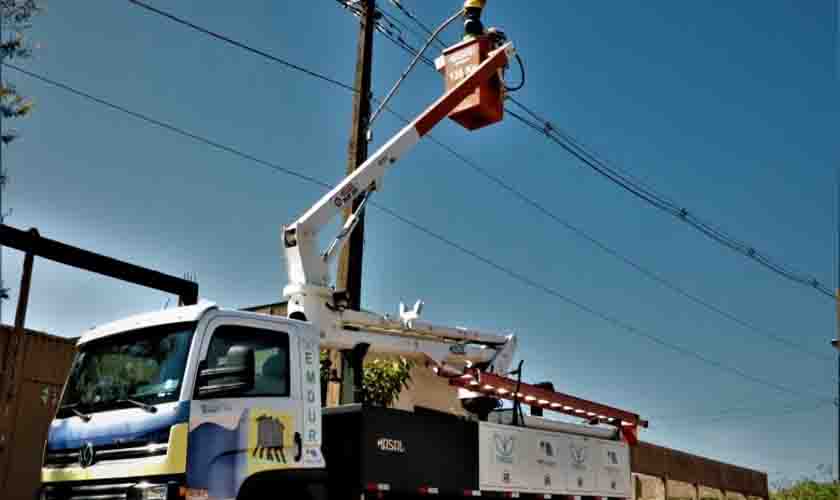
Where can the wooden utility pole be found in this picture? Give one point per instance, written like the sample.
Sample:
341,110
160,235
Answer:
349,275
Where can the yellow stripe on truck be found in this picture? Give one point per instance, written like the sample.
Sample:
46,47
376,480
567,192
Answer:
175,462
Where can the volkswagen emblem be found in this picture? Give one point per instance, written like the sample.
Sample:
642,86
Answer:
86,455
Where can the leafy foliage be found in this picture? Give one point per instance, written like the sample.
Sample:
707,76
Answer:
816,487
808,489
383,381
17,14
15,19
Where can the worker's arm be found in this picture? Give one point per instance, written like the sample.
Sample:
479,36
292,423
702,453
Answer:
306,265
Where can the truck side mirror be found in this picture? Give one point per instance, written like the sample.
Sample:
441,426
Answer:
235,375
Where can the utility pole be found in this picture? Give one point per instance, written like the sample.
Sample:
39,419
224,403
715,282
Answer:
349,275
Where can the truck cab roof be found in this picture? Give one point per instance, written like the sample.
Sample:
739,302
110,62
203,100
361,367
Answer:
182,314
145,320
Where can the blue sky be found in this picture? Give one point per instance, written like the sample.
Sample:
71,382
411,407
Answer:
729,107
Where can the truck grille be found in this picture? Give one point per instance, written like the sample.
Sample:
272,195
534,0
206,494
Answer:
64,458
108,490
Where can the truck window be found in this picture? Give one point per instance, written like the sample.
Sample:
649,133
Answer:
143,365
271,356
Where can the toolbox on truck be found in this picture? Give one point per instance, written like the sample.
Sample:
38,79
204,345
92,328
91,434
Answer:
370,448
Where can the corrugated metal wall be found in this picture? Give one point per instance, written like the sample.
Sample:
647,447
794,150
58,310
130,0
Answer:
676,465
46,361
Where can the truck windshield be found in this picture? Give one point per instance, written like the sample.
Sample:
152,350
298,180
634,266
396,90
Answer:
130,369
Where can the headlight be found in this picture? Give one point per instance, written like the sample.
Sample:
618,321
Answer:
148,491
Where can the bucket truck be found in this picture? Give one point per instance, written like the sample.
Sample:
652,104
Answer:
202,403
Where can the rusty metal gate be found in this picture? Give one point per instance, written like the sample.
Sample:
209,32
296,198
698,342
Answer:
46,360
34,364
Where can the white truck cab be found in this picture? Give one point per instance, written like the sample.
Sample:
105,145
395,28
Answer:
155,398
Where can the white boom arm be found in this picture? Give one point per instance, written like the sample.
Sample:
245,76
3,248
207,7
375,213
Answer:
309,292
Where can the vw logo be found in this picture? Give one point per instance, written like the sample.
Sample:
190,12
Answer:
86,455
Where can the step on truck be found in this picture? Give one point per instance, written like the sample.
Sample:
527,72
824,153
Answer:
201,403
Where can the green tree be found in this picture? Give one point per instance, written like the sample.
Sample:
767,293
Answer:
383,379
816,487
15,19
808,489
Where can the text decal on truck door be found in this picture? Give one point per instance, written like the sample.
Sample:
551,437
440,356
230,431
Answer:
390,445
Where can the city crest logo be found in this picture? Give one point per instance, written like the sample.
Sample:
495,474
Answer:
578,456
504,448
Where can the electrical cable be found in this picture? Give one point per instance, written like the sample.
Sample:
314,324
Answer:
522,278
403,26
521,72
167,126
241,45
400,42
311,73
411,66
653,198
619,324
416,21
611,251
731,414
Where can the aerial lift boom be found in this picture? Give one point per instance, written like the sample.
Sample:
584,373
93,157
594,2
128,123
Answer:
312,298
476,362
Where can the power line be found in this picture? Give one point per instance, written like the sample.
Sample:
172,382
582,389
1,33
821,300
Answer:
414,62
732,414
400,42
256,51
241,45
525,280
388,24
167,126
629,328
612,251
437,236
396,23
647,194
407,13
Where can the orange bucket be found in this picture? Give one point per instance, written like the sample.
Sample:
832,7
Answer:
484,106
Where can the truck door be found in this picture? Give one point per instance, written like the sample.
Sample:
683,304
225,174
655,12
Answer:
234,436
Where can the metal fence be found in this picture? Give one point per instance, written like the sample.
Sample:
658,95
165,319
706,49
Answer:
668,464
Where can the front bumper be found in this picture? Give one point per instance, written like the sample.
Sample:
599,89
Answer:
140,488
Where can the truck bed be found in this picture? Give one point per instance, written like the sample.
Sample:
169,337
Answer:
367,448
379,450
